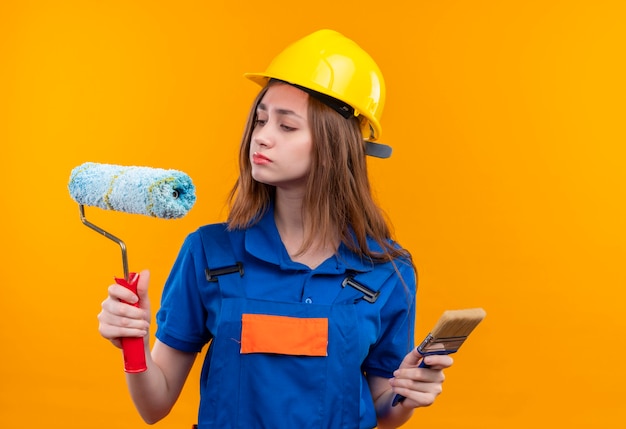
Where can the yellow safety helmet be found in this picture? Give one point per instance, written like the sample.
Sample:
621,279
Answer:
340,73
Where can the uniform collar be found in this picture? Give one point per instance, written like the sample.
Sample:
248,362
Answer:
262,241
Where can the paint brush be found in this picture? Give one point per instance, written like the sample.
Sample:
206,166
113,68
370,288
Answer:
448,335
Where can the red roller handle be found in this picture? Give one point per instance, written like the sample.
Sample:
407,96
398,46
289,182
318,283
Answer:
132,347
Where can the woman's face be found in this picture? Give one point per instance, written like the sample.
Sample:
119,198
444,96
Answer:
280,150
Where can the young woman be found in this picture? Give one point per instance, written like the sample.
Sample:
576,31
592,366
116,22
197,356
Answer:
306,302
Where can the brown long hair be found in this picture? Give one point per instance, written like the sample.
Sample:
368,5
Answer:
338,200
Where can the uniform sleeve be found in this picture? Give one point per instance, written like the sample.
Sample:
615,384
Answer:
181,320
397,326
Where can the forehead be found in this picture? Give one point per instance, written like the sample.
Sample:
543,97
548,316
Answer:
280,96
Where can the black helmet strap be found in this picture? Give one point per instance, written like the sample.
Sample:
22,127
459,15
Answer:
338,106
377,150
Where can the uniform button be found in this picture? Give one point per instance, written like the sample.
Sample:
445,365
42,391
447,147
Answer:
308,300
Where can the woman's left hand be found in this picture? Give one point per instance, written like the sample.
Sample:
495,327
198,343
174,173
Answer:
420,386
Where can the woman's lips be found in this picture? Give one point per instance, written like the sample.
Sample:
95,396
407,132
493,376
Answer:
260,159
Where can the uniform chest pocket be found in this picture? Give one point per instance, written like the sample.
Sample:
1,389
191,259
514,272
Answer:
296,336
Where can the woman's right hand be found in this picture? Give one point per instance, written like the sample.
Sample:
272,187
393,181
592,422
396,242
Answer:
118,319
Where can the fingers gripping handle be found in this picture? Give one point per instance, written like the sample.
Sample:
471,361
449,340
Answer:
399,398
132,347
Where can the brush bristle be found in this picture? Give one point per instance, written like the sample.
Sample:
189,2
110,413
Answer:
458,323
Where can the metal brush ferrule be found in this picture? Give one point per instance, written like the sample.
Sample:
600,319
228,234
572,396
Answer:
440,345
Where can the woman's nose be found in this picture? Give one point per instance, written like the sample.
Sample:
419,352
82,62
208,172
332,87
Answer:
262,137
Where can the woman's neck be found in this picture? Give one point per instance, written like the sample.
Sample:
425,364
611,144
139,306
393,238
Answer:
292,227
289,219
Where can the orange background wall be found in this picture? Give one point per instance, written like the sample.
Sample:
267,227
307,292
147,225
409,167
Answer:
507,183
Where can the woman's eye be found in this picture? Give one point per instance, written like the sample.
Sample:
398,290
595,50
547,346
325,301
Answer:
260,122
287,128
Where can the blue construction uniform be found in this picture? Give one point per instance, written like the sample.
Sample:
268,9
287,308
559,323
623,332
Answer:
254,383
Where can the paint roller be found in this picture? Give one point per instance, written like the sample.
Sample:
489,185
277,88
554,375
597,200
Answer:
156,192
